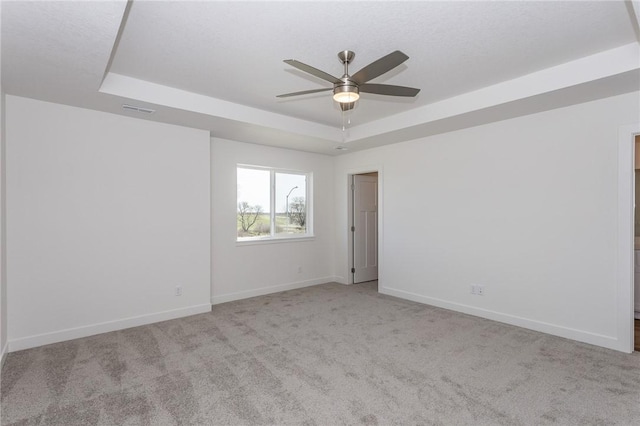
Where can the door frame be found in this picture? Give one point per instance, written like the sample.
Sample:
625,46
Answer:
361,228
349,212
626,197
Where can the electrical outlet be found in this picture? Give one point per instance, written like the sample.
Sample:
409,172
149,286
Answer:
477,289
178,290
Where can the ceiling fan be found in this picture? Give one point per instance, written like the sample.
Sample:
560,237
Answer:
346,89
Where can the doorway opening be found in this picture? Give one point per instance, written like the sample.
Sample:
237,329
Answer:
363,203
624,341
636,245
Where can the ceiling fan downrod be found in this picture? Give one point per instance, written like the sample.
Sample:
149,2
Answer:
346,57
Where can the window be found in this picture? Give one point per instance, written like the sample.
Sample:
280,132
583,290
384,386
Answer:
272,204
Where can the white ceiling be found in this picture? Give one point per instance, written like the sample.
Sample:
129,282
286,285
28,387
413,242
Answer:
218,65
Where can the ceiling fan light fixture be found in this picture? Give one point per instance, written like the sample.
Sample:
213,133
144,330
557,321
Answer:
346,94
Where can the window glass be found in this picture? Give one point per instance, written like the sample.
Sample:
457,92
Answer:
291,203
253,203
272,204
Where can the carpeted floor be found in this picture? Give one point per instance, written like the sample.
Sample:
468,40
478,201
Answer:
323,355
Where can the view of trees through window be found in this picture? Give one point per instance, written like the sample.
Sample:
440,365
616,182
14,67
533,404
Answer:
271,203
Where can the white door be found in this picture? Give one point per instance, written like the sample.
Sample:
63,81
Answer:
365,228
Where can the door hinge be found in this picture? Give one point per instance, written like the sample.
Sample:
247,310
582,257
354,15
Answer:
353,270
353,187
353,229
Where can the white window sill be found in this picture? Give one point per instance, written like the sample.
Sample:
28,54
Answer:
274,240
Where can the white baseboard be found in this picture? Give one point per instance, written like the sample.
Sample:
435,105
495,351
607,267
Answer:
556,330
341,280
230,297
636,314
105,327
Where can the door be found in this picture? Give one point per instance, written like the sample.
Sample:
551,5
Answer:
365,227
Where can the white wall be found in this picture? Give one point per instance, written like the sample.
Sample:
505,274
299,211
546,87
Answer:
527,207
3,272
105,216
241,270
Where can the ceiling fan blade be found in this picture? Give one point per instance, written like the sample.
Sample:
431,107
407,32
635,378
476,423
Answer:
388,89
311,70
379,67
304,92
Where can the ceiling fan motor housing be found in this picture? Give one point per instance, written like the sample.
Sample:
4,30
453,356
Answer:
345,86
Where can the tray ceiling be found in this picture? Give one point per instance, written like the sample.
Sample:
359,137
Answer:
218,65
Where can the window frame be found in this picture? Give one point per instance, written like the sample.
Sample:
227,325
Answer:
273,237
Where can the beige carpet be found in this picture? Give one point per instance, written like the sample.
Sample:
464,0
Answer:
324,355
